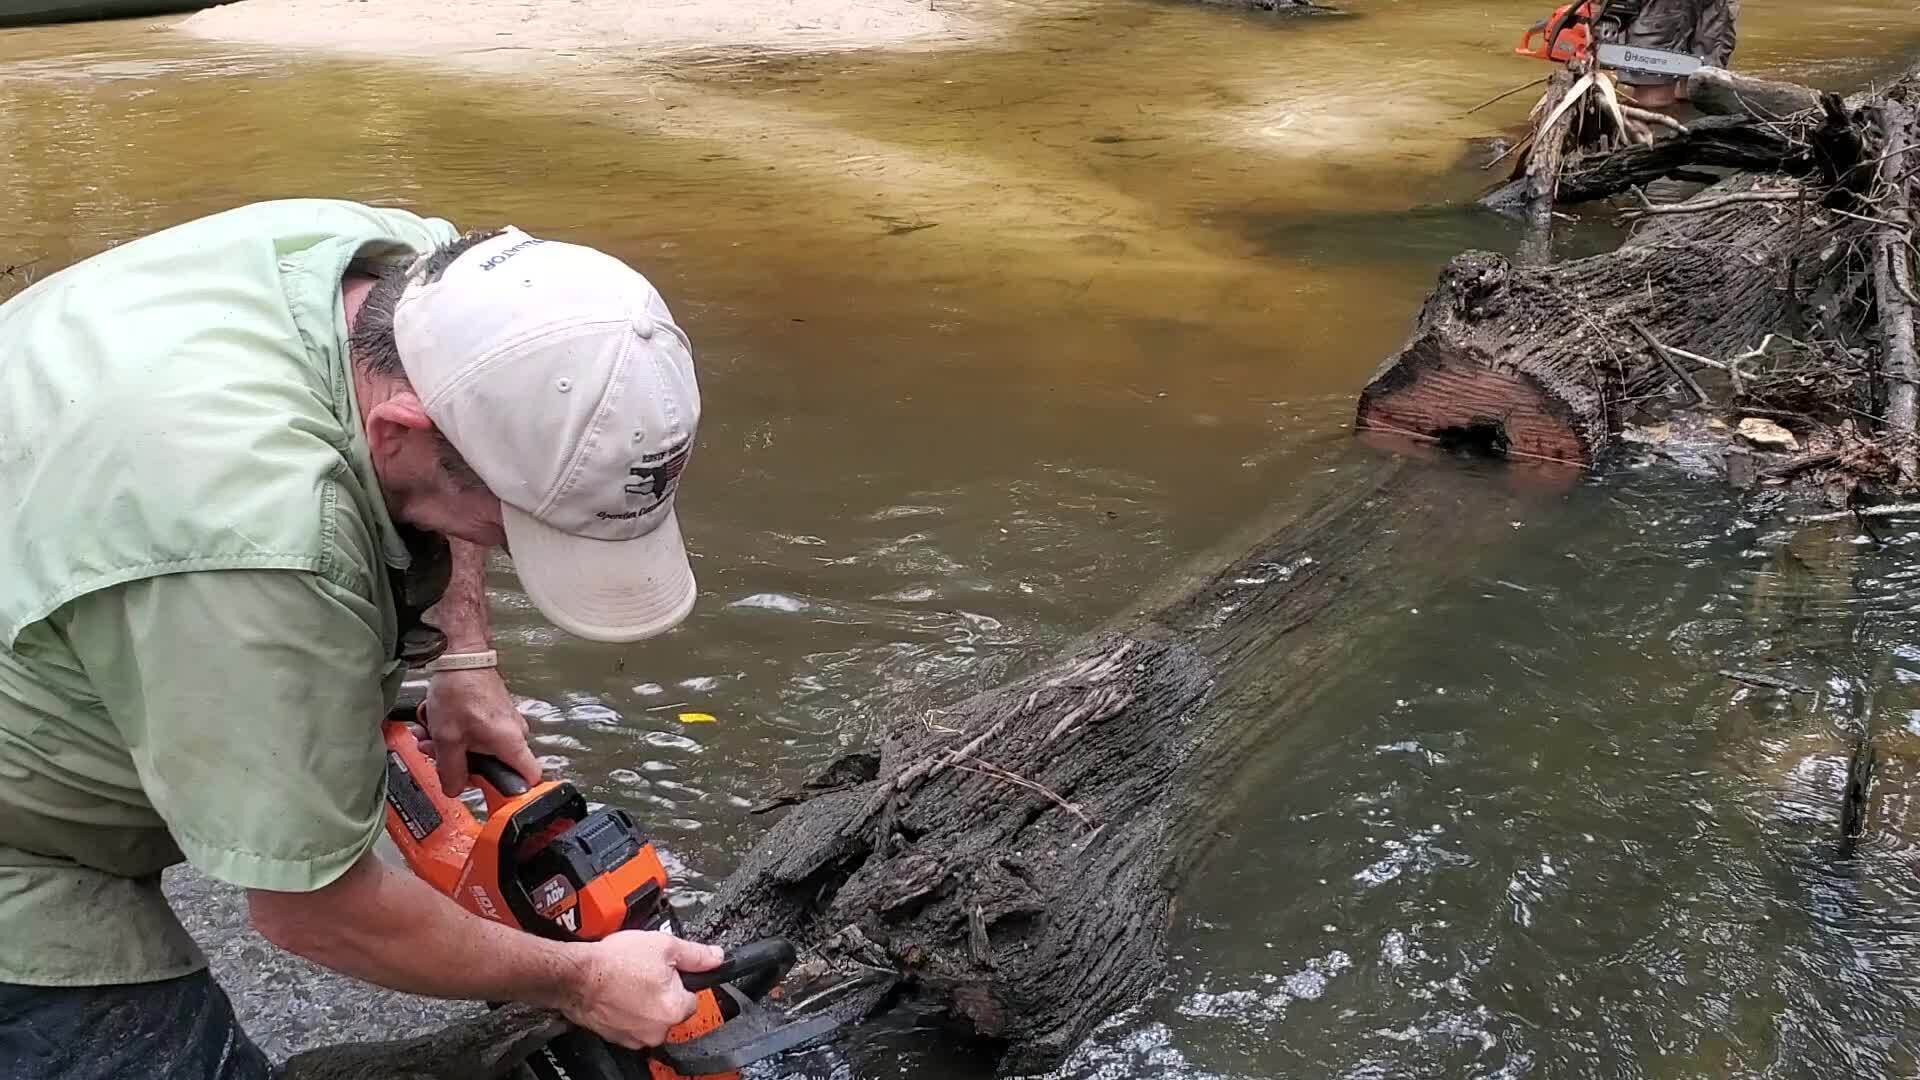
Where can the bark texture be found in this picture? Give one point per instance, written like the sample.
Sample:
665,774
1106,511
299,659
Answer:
1735,142
1719,92
487,1047
1893,276
1540,361
1539,187
1014,858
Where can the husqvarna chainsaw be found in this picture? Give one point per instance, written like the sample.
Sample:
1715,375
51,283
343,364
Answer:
1565,35
542,862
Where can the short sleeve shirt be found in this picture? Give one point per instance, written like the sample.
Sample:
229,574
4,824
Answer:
230,717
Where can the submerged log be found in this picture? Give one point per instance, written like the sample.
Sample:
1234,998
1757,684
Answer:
1014,859
1541,362
487,1047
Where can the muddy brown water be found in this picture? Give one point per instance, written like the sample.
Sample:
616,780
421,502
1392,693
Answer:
996,336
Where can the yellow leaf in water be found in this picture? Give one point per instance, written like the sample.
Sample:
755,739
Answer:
696,718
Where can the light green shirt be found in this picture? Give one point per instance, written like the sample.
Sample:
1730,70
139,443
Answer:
196,623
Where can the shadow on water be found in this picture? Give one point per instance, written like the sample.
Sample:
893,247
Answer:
1427,236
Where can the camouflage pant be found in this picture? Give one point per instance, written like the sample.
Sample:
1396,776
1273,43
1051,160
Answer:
1704,28
179,1029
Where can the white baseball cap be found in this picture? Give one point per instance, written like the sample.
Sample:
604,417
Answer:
559,375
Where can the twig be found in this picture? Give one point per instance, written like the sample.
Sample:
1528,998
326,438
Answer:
1699,206
1865,218
1734,362
1755,679
1883,510
926,768
1660,353
1504,95
1648,116
1609,100
998,773
1697,358
1508,152
1800,464
1574,93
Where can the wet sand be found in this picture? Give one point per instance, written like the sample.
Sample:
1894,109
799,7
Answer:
518,33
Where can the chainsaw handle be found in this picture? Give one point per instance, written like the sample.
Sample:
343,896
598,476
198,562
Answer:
496,778
756,958
494,773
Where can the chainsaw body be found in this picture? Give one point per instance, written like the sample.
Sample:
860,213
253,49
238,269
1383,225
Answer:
1564,36
544,863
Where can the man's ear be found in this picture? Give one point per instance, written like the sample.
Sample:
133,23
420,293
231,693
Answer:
389,422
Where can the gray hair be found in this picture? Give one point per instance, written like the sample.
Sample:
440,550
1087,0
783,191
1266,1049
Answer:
371,343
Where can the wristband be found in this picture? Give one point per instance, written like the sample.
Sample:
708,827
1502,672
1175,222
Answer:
463,661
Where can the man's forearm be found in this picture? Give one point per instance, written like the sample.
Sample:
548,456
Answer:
381,924
461,613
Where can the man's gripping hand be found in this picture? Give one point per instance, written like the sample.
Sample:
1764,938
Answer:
627,989
471,712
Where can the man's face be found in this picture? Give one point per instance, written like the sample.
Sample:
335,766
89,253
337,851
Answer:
425,482
460,507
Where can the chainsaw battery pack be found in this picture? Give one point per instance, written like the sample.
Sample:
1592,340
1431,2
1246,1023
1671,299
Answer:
577,875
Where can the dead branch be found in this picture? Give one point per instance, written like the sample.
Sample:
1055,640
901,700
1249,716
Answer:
1648,116
1801,464
1885,510
1699,206
1893,288
1718,92
1505,94
1753,678
1545,161
1660,351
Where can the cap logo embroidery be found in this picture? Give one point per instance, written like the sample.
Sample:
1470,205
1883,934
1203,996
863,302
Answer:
653,479
499,257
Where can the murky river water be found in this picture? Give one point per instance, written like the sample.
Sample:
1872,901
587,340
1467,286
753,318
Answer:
994,337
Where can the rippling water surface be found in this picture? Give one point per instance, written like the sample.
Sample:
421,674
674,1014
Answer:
994,337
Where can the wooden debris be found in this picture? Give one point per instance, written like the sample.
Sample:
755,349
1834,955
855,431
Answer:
1887,510
1660,352
1767,435
1768,682
1718,92
1893,282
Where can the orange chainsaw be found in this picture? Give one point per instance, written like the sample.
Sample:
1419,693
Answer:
544,863
1566,35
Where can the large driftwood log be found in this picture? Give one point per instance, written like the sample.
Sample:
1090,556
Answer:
1734,142
1719,92
1541,362
1014,858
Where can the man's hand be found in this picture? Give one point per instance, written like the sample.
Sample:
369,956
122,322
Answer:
628,991
471,712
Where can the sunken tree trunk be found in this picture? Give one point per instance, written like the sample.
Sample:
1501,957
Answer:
1014,859
1540,362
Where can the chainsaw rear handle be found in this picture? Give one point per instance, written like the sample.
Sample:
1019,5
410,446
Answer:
757,963
496,774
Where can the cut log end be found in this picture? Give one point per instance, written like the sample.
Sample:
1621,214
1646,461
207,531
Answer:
1467,404
1450,385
